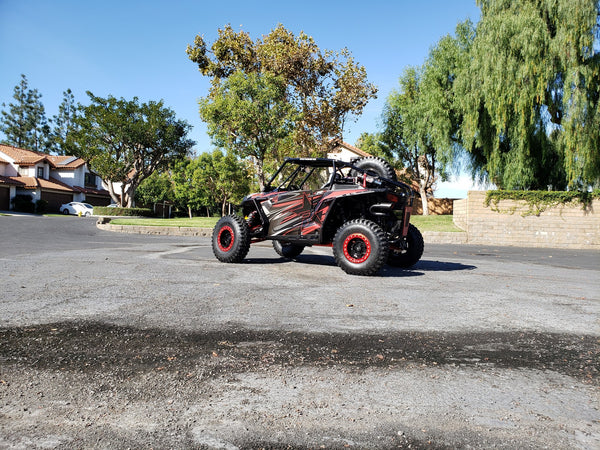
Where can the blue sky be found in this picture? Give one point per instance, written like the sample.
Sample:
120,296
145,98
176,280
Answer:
137,48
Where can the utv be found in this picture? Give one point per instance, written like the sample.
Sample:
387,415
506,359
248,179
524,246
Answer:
358,208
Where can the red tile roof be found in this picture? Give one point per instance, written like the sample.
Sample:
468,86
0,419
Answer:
65,162
11,181
23,157
35,183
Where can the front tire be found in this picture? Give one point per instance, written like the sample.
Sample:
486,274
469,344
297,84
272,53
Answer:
231,239
412,254
287,251
65,212
360,247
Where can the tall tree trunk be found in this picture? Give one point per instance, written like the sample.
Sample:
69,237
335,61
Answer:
113,195
189,211
423,194
258,165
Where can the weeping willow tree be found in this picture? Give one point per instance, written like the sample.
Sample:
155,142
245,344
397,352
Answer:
528,95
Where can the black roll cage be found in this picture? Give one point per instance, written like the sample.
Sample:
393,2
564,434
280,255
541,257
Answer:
335,164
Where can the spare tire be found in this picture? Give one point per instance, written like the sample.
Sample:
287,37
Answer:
377,165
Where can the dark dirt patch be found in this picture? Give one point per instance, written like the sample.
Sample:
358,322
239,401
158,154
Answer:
124,351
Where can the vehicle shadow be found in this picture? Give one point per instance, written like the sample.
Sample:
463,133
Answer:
418,269
441,266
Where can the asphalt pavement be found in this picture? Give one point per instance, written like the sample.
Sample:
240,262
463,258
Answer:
120,340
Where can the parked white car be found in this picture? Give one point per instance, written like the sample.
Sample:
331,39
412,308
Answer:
77,208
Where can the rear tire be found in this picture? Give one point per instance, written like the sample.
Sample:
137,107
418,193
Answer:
287,251
360,247
409,257
231,239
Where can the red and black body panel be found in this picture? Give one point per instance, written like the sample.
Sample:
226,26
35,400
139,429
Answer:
312,217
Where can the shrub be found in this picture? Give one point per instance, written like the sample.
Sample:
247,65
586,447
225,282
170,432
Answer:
41,206
539,201
23,203
105,211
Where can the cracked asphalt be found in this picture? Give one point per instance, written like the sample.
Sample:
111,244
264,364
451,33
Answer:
125,341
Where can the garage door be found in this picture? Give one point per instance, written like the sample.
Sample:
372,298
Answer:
55,199
4,198
98,200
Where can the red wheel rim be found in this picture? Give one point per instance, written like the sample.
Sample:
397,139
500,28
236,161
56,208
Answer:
225,238
357,248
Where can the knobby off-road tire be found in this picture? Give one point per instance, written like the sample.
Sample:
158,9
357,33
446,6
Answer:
231,239
375,164
360,247
288,251
409,257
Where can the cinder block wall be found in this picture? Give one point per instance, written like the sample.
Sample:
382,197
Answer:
564,226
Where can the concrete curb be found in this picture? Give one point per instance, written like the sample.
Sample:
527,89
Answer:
430,237
162,231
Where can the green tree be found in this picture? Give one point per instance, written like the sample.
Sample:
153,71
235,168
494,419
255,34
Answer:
210,180
529,95
224,177
125,141
373,144
24,124
247,115
188,189
440,118
325,87
64,122
157,188
407,135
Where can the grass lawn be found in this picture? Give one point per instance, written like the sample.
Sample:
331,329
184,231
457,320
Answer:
434,223
423,223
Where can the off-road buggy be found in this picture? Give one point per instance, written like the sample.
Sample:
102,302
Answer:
359,209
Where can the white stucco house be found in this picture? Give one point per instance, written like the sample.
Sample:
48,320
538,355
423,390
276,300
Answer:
346,152
55,179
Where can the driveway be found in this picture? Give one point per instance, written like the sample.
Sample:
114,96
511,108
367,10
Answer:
118,340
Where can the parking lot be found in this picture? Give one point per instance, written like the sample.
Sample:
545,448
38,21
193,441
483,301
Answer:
117,340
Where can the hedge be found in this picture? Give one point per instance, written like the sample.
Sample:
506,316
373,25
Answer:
105,211
539,201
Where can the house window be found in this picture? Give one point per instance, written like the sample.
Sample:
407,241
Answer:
90,179
40,172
